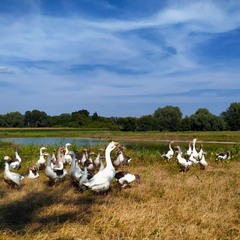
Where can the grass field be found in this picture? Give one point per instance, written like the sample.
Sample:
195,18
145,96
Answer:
231,136
166,204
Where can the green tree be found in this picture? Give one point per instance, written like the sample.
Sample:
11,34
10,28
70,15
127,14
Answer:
203,120
14,119
95,116
63,120
2,121
36,118
147,123
232,116
169,118
80,118
217,123
186,124
200,121
128,124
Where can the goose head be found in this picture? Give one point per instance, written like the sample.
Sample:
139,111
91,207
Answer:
194,140
121,148
67,145
7,158
178,148
112,145
33,169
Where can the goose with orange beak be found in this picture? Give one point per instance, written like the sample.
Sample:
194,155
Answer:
11,178
101,181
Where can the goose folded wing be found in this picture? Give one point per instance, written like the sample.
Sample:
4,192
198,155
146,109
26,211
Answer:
95,181
58,172
120,174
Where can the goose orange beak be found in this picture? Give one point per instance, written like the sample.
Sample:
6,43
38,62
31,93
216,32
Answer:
116,143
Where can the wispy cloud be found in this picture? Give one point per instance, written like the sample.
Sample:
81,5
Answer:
4,69
169,54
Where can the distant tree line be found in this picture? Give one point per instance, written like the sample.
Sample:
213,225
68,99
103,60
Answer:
168,118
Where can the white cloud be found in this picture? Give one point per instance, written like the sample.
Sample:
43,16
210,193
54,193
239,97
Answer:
41,50
4,69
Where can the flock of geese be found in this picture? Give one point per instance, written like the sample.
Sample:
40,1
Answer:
89,172
192,156
85,170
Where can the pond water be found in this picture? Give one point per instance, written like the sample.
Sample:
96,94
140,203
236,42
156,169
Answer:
54,141
161,146
44,141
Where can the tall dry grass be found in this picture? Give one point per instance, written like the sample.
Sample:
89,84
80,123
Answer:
166,204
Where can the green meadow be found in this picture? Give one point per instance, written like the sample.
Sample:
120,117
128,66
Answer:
167,204
231,136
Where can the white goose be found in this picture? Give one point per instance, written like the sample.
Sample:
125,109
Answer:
192,159
170,152
101,165
200,153
203,163
118,159
96,161
32,173
189,151
84,156
183,163
11,178
194,151
54,159
102,180
121,158
41,162
16,162
75,172
84,178
124,178
223,156
53,175
67,156
59,163
89,162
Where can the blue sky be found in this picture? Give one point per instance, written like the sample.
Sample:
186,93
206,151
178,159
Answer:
119,58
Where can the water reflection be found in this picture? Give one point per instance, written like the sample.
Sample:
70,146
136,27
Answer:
86,142
54,141
161,146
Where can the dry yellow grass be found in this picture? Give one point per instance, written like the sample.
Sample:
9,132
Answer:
165,205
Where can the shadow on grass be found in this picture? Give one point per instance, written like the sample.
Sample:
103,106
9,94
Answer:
16,215
2,193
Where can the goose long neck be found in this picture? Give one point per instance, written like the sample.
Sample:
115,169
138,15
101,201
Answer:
194,144
179,152
59,155
108,158
98,155
6,167
66,148
40,152
49,161
170,145
74,162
